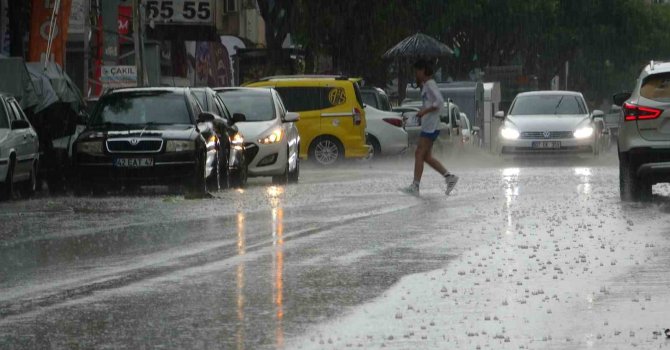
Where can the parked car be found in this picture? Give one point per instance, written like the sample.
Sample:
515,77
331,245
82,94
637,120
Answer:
273,141
644,136
332,119
236,166
386,133
19,150
149,136
550,121
376,98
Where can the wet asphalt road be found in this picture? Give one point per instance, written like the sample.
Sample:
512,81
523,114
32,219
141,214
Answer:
344,260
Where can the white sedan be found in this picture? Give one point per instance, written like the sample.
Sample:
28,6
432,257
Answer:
549,121
385,132
19,150
271,138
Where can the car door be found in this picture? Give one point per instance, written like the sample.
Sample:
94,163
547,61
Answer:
338,104
22,142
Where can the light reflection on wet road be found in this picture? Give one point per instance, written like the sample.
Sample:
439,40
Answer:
264,267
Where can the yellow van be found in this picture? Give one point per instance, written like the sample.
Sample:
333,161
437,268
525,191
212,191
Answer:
332,118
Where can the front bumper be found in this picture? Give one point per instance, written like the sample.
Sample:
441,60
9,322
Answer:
567,146
257,153
167,169
364,151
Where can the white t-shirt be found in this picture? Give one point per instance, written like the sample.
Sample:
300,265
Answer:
431,97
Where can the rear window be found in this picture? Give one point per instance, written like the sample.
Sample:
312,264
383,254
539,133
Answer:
370,99
4,122
143,108
656,87
548,105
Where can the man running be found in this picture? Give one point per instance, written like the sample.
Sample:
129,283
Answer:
433,102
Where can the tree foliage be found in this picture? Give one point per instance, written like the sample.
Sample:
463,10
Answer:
606,41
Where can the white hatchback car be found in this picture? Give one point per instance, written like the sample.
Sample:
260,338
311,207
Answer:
550,121
19,150
385,132
271,138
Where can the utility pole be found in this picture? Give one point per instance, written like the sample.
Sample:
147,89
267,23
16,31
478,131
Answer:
138,38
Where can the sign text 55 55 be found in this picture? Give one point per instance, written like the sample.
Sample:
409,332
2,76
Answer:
181,11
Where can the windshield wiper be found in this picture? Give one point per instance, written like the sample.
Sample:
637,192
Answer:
558,105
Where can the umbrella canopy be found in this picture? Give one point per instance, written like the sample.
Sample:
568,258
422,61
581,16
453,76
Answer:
65,89
43,88
15,80
419,45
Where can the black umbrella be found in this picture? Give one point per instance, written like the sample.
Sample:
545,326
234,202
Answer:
416,46
419,45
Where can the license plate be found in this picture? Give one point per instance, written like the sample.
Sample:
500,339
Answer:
134,162
547,144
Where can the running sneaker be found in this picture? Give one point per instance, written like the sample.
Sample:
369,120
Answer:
451,181
412,189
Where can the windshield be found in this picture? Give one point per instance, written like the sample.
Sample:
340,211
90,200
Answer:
4,122
200,95
257,106
143,108
548,105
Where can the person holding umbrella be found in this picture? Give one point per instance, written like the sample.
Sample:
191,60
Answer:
433,102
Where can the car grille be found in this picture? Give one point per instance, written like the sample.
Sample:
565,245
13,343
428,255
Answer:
250,152
547,135
134,145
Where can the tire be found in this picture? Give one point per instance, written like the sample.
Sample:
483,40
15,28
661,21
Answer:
376,147
326,151
199,183
632,188
294,176
238,178
281,179
7,189
29,187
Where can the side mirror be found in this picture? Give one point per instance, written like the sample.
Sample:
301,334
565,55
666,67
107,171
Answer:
20,124
291,117
621,98
206,117
597,114
499,115
239,117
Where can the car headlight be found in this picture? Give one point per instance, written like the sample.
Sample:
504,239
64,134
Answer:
237,140
509,133
275,136
179,146
90,147
584,132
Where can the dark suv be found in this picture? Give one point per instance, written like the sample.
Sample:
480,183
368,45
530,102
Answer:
150,136
644,133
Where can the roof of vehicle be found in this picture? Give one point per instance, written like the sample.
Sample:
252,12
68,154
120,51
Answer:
550,93
150,89
657,67
373,89
304,77
203,88
262,90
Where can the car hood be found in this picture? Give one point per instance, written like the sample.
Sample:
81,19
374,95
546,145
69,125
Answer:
374,113
547,122
255,130
173,132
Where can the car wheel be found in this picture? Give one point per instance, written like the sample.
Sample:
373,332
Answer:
199,186
376,147
283,178
326,151
29,187
7,190
238,178
632,188
294,176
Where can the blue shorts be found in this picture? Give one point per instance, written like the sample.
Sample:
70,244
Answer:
431,135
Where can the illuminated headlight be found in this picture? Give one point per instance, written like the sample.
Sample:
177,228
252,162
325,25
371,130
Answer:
509,133
237,140
179,146
584,133
274,137
90,147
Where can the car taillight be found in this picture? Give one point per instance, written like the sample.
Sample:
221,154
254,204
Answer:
633,112
357,116
394,121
